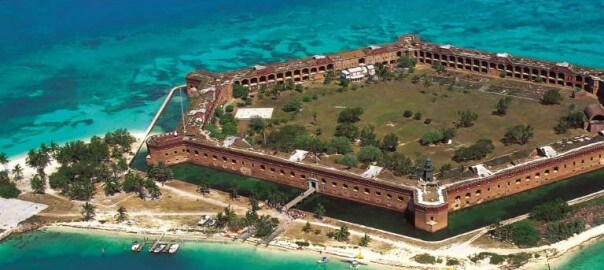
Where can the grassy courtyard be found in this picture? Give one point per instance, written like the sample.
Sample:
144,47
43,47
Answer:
384,103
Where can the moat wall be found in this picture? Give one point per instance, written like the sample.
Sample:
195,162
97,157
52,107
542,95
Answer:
430,217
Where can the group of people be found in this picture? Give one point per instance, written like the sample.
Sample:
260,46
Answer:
295,214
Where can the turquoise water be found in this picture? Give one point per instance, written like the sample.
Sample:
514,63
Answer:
71,69
77,68
53,249
586,258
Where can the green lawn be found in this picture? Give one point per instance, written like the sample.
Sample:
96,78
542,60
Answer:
385,102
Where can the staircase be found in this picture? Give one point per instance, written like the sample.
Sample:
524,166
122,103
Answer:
298,199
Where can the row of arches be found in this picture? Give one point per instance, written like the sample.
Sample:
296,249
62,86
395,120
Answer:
511,71
295,75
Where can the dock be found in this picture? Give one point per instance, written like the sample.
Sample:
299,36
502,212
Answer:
160,246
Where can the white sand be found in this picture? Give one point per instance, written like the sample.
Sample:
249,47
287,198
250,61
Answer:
13,211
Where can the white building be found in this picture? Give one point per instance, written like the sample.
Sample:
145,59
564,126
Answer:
358,73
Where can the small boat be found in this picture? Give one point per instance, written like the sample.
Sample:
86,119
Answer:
354,264
159,248
136,247
211,222
173,248
322,260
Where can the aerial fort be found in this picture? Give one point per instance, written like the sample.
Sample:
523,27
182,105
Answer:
428,196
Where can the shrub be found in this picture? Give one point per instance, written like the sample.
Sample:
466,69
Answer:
240,91
452,261
428,121
369,154
302,243
431,137
519,134
348,160
550,211
524,234
476,151
229,108
424,258
466,118
292,106
551,97
306,98
417,116
350,115
407,113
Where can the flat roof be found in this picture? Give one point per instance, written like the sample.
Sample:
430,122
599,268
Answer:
248,113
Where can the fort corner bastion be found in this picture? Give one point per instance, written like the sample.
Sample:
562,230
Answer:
429,203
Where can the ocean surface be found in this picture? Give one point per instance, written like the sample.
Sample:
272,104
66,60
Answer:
72,69
54,249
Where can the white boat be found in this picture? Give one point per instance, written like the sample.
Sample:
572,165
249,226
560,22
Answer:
354,264
136,247
159,248
211,222
173,248
322,260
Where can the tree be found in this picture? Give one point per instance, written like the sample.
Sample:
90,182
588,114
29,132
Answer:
368,136
122,214
390,142
348,160
282,139
406,62
329,76
550,211
476,151
551,97
502,74
502,105
3,159
524,234
431,137
257,124
240,91
134,182
407,113
307,228
342,234
159,172
519,134
121,139
340,145
88,211
319,211
292,106
8,189
417,116
427,82
38,185
348,130
350,115
203,186
38,160
233,194
111,187
365,240
466,118
398,163
18,172
369,154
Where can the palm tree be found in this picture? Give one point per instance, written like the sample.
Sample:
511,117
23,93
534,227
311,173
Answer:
341,234
88,211
121,214
320,211
3,159
18,172
204,187
38,185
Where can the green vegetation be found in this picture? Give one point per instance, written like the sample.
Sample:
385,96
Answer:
84,164
122,214
398,163
88,211
319,211
387,108
452,262
369,154
550,211
292,106
406,62
502,106
558,231
365,240
572,119
8,189
159,172
551,97
348,160
466,118
424,258
240,91
264,224
37,183
519,134
476,151
437,136
307,228
342,234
